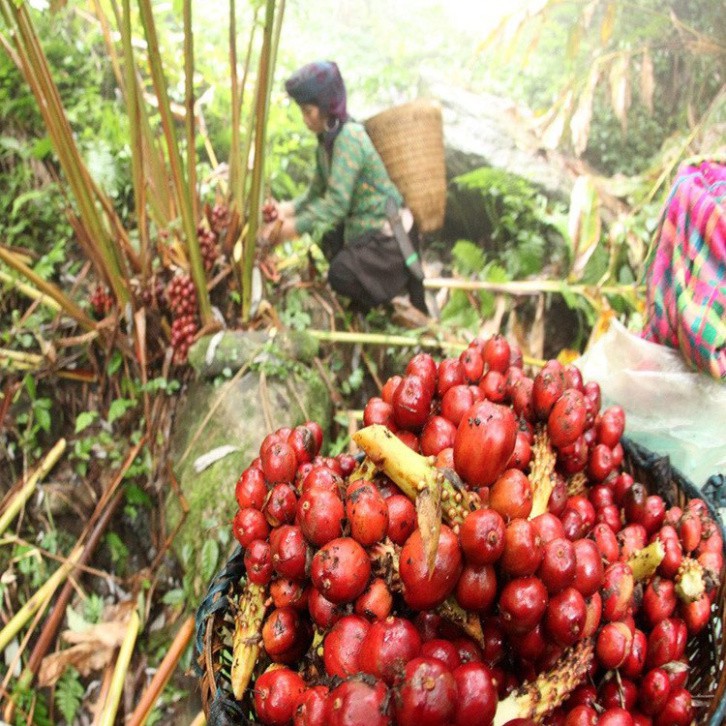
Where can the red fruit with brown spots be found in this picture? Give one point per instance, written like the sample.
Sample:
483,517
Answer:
376,602
412,402
289,552
426,695
484,443
565,616
566,421
523,549
401,518
388,645
341,570
522,604
289,593
443,650
310,709
276,695
281,505
251,490
424,589
342,646
358,702
248,525
476,695
482,536
320,514
450,373
323,612
279,463
438,433
477,587
285,635
258,562
367,513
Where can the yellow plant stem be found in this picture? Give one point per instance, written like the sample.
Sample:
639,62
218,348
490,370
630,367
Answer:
47,288
110,707
19,500
422,341
530,287
21,361
38,598
29,291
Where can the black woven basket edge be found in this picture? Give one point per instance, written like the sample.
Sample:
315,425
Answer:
225,711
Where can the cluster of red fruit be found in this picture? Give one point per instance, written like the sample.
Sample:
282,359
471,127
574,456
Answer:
269,212
537,580
208,246
219,218
101,301
181,297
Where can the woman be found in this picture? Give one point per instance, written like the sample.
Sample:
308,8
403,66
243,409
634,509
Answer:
345,205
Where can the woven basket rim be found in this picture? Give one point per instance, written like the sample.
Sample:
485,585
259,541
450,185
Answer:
218,703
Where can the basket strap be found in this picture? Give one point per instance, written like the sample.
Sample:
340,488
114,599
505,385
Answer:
224,711
216,598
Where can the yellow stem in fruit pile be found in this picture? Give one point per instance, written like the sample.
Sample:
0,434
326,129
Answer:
536,699
691,580
645,562
542,473
247,639
413,473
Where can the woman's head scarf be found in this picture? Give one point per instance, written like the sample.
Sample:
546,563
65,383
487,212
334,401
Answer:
320,84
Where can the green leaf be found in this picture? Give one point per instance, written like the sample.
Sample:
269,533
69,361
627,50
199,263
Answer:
29,383
209,557
69,693
42,148
29,196
118,408
76,622
468,257
115,363
174,597
137,496
85,419
42,417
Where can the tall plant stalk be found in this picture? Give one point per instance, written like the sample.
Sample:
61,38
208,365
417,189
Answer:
36,71
137,150
189,124
264,78
183,193
234,151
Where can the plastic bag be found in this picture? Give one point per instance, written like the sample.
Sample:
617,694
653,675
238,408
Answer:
669,408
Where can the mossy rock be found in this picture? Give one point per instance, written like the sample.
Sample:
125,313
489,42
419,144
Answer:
227,418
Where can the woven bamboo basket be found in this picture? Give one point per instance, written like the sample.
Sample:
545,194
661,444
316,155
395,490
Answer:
706,652
410,140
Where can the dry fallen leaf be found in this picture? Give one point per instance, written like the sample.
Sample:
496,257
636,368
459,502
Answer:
91,649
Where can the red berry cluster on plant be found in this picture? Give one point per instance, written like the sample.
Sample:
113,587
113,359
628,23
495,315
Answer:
181,298
208,246
101,301
537,582
219,218
183,330
181,295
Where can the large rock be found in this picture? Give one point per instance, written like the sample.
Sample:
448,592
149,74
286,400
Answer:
481,129
218,430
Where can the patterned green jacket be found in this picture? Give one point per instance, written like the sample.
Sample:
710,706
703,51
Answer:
352,188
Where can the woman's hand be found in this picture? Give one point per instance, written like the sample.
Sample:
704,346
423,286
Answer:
279,230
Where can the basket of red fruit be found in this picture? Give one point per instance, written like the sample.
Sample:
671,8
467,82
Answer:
499,553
